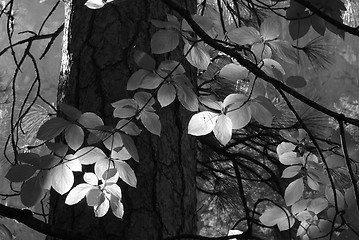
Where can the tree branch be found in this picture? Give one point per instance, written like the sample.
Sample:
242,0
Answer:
253,67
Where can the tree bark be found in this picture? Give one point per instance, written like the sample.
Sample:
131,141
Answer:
96,65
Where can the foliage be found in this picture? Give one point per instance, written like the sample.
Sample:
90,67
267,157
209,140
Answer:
250,142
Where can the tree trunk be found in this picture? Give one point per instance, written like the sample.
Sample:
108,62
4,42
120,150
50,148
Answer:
97,63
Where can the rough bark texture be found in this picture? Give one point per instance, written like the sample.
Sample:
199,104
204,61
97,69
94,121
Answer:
100,47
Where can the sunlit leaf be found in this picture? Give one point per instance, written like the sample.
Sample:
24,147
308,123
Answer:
62,178
170,67
223,129
164,41
299,206
294,191
116,206
95,4
114,141
202,123
125,108
102,208
237,110
78,193
89,155
73,163
126,173
290,158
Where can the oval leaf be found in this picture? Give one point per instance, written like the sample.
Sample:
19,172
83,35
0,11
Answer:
20,173
202,123
166,94
296,82
52,128
74,136
164,41
294,192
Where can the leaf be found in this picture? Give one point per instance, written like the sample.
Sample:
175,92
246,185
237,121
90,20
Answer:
126,173
102,166
73,163
260,114
244,35
290,158
164,41
90,155
90,120
125,108
151,81
74,136
234,72
294,191
93,197
296,82
270,29
300,206
261,51
116,207
20,173
291,171
113,142
103,207
29,158
187,97
52,128
128,127
130,146
223,129
166,94
298,28
272,68
62,179
285,147
284,51
95,4
44,179
143,60
49,161
318,24
237,110
274,215
144,98
265,102
196,56
136,79
114,190
170,66
202,123
349,140
91,178
335,161
71,112
78,193
329,194
59,149
317,205
31,193
151,121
